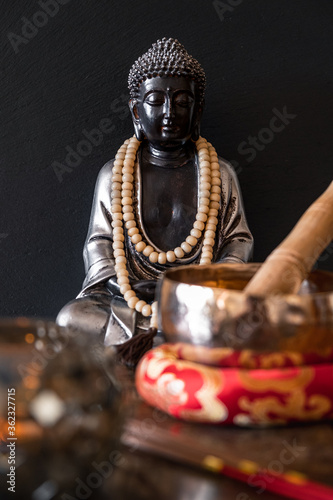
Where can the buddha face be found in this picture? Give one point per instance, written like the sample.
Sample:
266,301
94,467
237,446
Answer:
166,111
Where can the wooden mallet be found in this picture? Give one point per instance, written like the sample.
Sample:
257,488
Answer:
289,264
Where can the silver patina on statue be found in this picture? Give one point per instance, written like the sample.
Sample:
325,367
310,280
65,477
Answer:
166,200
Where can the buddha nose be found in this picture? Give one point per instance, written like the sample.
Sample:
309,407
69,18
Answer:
168,109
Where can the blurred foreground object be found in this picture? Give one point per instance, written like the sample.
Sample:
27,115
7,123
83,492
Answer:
62,417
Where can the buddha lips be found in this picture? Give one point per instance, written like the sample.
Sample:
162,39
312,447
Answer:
123,216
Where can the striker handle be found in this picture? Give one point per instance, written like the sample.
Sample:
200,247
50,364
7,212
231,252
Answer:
289,264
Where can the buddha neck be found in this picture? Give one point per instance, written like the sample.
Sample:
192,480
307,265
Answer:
173,158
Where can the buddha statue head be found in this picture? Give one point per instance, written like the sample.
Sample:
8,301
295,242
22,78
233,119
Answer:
167,88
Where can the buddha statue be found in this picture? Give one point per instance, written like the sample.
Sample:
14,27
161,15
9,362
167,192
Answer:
166,199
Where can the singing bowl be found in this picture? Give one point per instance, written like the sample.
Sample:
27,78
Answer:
206,305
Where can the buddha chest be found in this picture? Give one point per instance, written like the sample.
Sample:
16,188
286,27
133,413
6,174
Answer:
169,203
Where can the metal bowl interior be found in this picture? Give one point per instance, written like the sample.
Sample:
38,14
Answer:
206,305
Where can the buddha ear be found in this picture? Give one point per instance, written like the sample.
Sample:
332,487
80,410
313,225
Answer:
132,103
196,127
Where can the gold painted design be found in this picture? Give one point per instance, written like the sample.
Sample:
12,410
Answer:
212,409
248,467
155,366
252,360
247,358
205,355
295,477
170,390
286,384
296,405
213,463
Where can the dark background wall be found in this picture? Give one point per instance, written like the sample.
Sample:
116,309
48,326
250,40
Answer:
58,81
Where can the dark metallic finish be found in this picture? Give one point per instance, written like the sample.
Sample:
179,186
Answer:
166,57
166,111
205,305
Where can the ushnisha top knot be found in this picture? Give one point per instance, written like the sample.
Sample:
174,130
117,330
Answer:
166,57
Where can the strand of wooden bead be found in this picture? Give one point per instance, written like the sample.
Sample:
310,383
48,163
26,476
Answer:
154,317
204,192
214,205
122,210
201,217
204,184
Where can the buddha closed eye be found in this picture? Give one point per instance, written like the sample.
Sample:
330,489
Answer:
184,100
158,98
167,107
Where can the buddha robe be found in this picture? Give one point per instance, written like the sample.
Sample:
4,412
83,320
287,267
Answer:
99,307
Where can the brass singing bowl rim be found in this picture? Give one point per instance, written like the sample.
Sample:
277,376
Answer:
305,318
190,275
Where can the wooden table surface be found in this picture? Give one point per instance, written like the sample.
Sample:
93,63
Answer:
161,456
